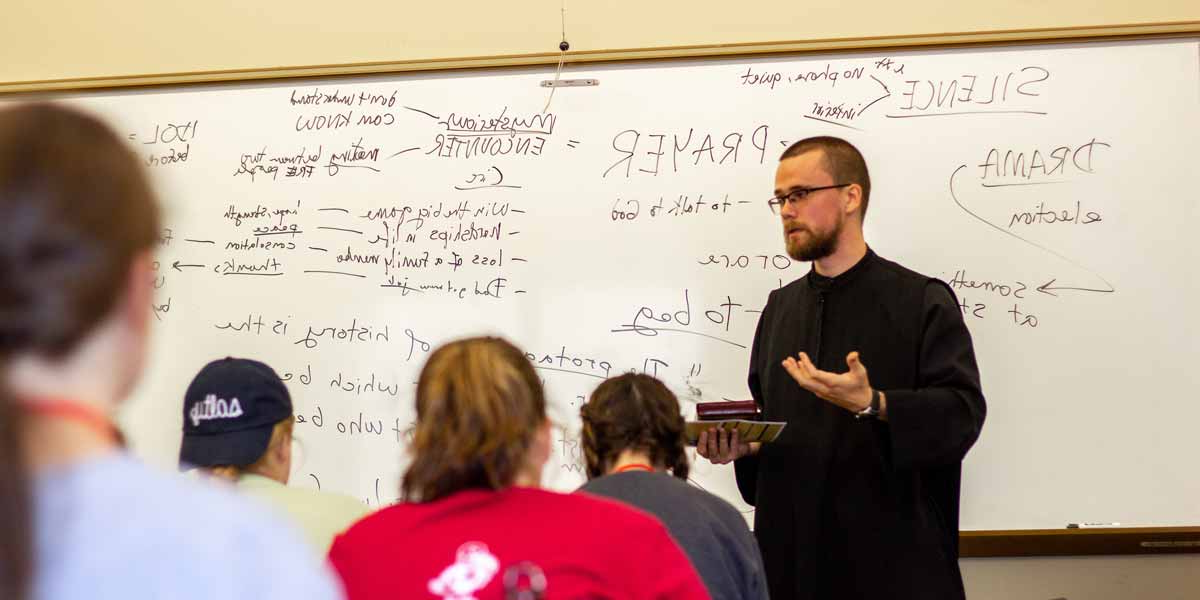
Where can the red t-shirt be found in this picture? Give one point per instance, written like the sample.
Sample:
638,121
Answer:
462,546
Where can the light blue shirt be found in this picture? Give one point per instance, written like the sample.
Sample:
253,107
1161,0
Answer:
113,529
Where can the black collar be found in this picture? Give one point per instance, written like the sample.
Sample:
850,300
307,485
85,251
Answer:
822,283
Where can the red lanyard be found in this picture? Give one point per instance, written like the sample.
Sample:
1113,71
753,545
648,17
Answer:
634,467
89,416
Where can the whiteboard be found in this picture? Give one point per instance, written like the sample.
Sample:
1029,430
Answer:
340,229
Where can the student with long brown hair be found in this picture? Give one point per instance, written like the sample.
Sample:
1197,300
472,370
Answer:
473,521
79,518
634,445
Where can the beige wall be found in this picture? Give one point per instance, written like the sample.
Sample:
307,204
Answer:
1174,577
54,40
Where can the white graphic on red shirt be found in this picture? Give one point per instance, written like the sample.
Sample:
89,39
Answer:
473,568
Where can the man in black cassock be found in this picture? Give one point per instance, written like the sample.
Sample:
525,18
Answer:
859,496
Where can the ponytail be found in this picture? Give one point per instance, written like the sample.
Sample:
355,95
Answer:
676,456
16,543
479,407
633,412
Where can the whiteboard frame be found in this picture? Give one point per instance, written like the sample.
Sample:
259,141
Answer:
972,543
1168,29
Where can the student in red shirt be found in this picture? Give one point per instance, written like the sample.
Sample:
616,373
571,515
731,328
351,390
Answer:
474,525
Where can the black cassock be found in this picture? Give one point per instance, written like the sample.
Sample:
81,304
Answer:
849,508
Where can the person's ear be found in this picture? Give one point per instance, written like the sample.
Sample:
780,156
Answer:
131,317
138,299
541,442
283,450
853,199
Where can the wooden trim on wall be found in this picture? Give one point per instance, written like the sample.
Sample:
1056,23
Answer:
1079,542
1014,36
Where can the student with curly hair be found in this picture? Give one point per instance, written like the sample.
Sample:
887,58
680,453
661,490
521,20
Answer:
633,442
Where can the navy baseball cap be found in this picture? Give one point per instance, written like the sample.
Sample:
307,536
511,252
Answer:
229,412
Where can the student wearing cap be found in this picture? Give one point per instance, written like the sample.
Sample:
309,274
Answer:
237,425
474,523
635,447
79,516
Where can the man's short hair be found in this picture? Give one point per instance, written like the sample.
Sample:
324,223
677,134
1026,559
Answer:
843,161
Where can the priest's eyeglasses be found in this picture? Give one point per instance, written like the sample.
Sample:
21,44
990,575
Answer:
795,195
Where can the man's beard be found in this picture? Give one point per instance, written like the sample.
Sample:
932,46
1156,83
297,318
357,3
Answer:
817,246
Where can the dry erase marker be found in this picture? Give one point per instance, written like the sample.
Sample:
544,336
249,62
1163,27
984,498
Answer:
1091,525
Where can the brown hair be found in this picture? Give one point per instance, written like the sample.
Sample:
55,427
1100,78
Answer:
281,433
479,405
843,161
77,210
633,412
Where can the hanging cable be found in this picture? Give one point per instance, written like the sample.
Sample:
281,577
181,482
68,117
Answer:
563,46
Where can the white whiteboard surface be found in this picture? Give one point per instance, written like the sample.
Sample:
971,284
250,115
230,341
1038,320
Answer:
1092,414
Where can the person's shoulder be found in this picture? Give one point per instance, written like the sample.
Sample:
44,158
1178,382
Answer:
650,492
513,505
558,501
171,505
193,501
606,485
898,271
586,507
933,290
689,496
655,550
939,294
719,507
331,503
638,481
565,514
786,295
363,539
383,525
794,288
211,509
394,516
210,523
